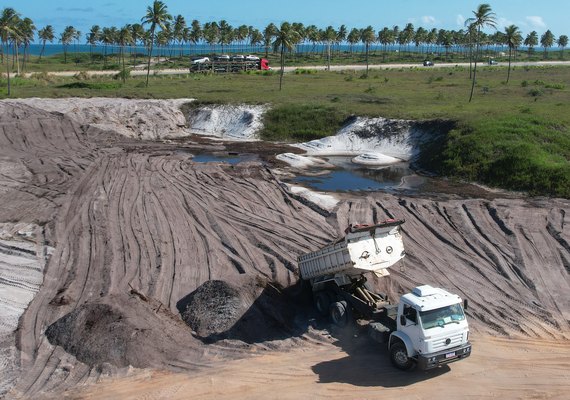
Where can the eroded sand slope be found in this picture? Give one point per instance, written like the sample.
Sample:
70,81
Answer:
138,226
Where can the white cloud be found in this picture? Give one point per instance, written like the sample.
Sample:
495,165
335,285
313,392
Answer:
460,19
429,20
503,23
536,22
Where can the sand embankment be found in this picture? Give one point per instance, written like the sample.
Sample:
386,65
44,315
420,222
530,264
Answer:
137,226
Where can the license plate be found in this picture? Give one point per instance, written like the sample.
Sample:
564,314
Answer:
450,355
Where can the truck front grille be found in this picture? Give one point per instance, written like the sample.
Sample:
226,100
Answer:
442,343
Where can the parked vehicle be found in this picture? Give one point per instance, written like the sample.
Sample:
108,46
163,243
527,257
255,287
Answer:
200,60
426,328
223,64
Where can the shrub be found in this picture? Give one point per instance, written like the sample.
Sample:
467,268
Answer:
558,86
301,122
535,92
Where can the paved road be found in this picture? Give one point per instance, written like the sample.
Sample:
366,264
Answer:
356,67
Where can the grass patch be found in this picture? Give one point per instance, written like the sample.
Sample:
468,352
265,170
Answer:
301,122
91,85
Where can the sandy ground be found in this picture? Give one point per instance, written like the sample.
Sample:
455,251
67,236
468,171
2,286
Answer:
137,226
499,368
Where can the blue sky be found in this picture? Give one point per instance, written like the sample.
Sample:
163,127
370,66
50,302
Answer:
528,15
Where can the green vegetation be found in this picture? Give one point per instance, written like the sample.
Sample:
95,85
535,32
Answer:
301,122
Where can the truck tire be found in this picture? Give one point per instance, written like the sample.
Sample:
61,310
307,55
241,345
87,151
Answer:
399,356
322,302
340,313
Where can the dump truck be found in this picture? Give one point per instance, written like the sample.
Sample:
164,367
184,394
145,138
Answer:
427,327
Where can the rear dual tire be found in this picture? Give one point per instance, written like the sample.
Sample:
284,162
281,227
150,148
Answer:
340,313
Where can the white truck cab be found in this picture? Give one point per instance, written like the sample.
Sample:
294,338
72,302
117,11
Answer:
431,329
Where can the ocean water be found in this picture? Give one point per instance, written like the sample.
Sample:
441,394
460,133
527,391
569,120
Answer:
198,49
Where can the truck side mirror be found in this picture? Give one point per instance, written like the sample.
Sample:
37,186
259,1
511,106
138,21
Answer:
465,304
403,320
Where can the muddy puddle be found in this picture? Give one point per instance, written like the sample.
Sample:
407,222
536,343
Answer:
347,176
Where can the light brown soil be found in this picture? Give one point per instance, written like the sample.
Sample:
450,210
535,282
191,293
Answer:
498,368
137,227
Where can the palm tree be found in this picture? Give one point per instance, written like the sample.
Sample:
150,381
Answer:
531,40
513,39
76,37
196,33
406,35
285,39
108,38
353,37
226,34
385,37
484,17
562,43
431,38
93,37
329,36
45,35
8,30
420,37
367,36
137,33
312,35
241,33
178,30
546,41
255,38
268,33
124,38
66,38
26,28
211,33
156,15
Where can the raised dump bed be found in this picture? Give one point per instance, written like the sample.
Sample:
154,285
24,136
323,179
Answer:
365,248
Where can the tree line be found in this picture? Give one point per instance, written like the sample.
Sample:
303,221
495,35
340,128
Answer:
157,28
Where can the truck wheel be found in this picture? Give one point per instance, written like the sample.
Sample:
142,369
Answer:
340,313
399,357
322,302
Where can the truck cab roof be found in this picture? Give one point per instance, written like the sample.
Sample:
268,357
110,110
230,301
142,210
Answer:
426,297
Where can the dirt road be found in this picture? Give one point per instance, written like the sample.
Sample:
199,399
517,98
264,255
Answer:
355,67
136,226
498,368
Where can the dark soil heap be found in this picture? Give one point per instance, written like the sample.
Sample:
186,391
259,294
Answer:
255,313
212,309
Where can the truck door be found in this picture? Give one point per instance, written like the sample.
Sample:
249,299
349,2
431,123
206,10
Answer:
411,327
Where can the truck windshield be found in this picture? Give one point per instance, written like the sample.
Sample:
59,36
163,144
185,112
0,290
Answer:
442,316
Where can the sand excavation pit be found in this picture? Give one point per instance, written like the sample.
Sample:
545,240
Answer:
139,231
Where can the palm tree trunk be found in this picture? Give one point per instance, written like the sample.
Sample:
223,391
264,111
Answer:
328,55
509,70
282,66
8,71
474,71
43,48
367,48
150,54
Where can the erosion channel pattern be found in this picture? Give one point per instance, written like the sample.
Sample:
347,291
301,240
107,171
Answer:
137,226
